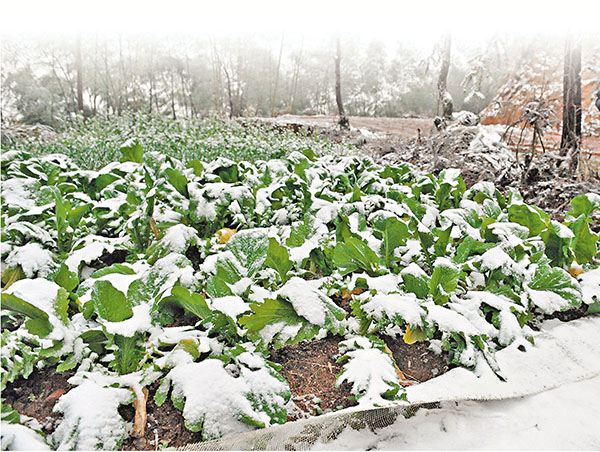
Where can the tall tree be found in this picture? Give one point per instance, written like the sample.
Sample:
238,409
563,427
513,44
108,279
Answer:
343,122
445,99
274,95
571,132
79,69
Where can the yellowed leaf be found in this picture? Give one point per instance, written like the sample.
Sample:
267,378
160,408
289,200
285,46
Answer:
413,335
575,271
401,377
225,234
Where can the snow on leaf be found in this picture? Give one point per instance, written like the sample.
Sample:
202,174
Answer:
553,289
223,409
91,419
370,371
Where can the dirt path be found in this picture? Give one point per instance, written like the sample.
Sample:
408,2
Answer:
399,127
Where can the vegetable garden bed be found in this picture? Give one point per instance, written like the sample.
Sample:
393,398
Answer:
165,287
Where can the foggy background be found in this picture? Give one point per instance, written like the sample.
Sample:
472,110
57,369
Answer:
195,59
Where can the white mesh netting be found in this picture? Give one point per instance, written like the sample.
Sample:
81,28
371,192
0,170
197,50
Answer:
563,353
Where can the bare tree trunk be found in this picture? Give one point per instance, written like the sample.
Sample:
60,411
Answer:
172,95
444,96
79,66
343,122
571,132
274,95
295,77
229,92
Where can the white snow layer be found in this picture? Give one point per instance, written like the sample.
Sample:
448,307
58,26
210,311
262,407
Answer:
551,401
32,258
19,437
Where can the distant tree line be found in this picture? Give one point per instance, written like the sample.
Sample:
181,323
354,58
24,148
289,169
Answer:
53,82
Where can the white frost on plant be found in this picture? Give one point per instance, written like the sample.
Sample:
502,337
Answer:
406,306
382,284
308,301
140,321
547,300
448,320
33,259
91,419
19,437
213,397
370,370
94,247
590,284
496,258
232,305
176,238
40,292
18,192
458,217
414,270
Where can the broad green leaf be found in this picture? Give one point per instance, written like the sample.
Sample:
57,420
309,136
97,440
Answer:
121,269
468,247
197,167
110,303
443,238
12,275
585,205
558,245
584,242
104,180
278,258
554,280
394,235
76,214
250,247
444,281
356,194
37,323
162,392
190,301
132,152
310,154
69,363
61,305
229,173
285,325
177,180
342,229
419,285
533,218
66,279
353,254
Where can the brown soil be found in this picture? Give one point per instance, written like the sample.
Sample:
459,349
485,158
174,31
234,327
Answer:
311,370
36,395
165,426
415,360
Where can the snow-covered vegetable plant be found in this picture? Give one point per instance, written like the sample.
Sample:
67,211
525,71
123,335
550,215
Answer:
149,271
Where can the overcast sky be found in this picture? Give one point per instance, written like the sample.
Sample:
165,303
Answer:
371,19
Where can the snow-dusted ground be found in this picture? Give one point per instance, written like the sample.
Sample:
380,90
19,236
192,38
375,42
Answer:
565,418
561,373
